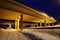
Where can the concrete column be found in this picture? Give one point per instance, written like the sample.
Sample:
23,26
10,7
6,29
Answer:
17,24
45,22
21,22
52,24
32,25
48,24
9,25
40,24
36,24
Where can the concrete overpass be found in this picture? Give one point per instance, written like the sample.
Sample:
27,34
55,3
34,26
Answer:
12,10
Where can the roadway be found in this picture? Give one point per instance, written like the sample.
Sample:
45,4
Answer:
30,34
42,34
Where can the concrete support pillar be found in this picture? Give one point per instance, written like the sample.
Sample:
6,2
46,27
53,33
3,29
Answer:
45,22
52,24
32,25
21,22
40,24
48,24
17,24
36,24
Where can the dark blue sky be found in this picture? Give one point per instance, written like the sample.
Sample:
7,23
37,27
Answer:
51,7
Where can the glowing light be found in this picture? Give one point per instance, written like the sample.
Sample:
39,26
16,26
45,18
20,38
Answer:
9,30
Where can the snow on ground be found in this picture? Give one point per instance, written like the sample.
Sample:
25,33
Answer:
12,35
26,35
42,36
45,36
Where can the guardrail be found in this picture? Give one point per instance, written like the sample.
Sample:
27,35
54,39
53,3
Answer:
43,28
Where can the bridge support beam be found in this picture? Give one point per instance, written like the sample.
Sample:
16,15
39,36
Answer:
21,22
40,24
48,24
45,22
17,24
52,24
36,24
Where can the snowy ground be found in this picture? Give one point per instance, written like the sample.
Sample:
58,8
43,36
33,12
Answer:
29,35
12,35
43,34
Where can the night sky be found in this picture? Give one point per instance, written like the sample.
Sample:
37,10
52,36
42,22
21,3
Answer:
51,7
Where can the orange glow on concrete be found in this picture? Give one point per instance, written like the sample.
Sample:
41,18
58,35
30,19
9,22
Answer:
10,30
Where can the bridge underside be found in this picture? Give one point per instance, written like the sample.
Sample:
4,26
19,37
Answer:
21,20
20,13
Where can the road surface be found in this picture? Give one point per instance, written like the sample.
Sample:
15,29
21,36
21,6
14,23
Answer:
27,35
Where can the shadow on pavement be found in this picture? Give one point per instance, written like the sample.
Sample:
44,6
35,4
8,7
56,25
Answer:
32,37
